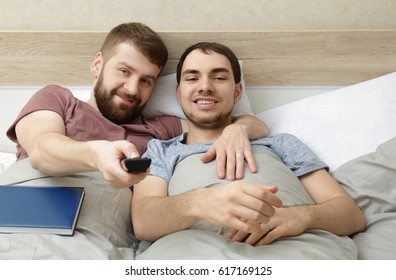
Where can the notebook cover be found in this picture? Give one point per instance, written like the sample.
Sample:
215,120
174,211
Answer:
51,210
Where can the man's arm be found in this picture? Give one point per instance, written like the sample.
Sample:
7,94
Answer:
233,147
334,211
155,214
42,135
255,127
333,203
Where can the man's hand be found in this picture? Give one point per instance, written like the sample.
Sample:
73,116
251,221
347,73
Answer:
289,221
233,204
109,161
231,150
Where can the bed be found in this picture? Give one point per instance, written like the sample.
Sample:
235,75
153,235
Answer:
333,89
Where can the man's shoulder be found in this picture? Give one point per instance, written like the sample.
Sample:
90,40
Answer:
284,135
278,138
55,91
52,88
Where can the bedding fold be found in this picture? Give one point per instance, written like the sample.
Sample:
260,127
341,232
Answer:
103,229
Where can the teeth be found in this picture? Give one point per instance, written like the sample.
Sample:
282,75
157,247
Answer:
205,102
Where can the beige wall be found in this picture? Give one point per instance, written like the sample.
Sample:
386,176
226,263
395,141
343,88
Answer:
170,15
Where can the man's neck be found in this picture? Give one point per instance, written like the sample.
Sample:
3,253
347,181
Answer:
202,135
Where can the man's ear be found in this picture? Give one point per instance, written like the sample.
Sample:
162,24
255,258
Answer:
97,64
178,93
238,93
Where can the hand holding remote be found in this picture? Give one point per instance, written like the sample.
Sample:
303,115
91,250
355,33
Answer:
137,165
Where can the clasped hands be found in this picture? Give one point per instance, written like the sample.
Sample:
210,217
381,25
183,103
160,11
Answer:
286,221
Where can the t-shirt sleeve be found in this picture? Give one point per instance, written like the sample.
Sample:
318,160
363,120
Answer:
52,97
159,167
296,155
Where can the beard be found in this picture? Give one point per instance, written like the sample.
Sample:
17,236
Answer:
211,122
121,114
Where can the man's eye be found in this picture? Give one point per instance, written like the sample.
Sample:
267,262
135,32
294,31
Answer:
221,78
147,82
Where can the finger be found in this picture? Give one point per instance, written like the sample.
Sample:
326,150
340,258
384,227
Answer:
231,165
239,236
209,155
128,149
132,178
134,155
262,193
137,177
272,189
123,179
212,154
251,161
231,233
257,235
268,238
240,165
241,226
254,216
221,165
253,238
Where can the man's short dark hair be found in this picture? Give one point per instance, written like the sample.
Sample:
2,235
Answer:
142,37
206,47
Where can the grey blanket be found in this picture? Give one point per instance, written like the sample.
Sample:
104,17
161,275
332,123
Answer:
104,231
204,241
371,181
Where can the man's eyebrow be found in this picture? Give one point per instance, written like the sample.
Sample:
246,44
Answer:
190,71
220,69
214,70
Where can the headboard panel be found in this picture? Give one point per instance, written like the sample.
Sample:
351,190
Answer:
270,58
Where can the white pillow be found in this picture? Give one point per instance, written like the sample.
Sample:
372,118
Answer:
163,100
342,124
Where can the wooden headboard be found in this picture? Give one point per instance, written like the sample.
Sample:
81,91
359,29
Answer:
270,58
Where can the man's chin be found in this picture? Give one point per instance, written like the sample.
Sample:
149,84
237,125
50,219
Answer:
129,118
207,124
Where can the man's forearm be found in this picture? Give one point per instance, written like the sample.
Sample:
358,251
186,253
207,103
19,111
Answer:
339,215
255,128
156,216
56,155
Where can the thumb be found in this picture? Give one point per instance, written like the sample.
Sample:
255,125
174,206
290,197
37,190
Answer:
273,189
130,151
209,155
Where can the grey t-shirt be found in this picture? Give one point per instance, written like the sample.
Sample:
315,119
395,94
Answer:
290,150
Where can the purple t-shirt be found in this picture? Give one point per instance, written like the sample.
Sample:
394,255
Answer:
84,123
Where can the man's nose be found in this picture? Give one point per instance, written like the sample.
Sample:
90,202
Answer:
206,84
132,85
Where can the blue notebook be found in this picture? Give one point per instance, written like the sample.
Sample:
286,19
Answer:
51,210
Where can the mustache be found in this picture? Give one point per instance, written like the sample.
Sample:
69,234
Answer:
125,95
